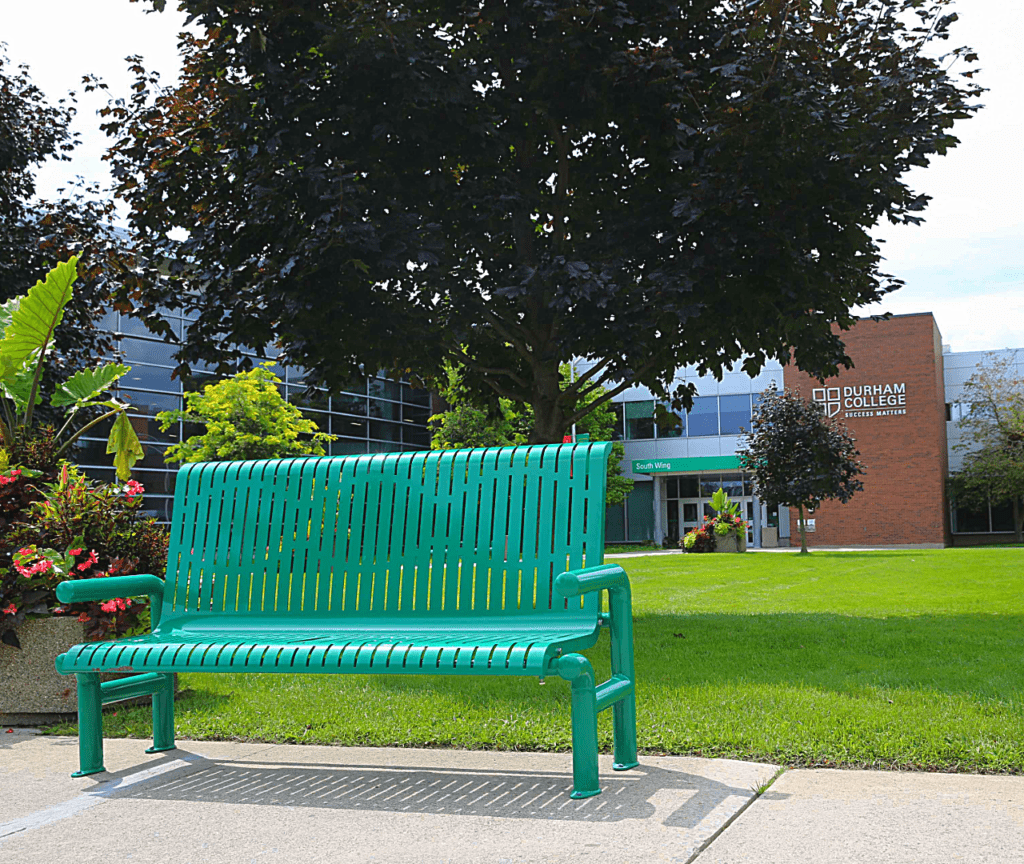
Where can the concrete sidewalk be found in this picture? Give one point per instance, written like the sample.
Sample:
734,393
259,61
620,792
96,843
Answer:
211,802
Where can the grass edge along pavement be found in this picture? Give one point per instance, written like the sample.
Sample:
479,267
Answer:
896,659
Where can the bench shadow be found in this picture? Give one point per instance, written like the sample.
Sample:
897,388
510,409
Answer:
506,794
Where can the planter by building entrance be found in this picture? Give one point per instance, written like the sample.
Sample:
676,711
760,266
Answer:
730,543
31,690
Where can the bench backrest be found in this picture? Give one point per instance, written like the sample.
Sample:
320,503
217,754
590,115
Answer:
444,533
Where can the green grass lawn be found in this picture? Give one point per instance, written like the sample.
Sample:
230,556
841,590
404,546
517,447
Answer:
909,659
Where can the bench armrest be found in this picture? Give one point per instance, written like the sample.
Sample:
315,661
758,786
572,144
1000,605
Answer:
577,582
86,590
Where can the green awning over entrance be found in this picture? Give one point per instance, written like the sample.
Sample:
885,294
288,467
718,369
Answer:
694,463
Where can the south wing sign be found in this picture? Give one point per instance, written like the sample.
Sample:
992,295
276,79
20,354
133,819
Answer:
863,400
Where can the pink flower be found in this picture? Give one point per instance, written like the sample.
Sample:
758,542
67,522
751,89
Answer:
118,604
133,488
74,552
11,610
9,478
88,562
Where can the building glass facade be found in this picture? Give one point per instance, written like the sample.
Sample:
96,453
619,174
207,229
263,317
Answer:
369,415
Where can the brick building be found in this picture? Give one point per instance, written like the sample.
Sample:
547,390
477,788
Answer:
893,401
901,401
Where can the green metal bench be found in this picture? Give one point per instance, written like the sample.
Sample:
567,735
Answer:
458,562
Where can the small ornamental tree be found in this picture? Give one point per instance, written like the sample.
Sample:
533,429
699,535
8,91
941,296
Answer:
992,440
246,417
799,457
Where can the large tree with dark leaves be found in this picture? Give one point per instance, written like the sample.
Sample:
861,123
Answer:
35,234
648,183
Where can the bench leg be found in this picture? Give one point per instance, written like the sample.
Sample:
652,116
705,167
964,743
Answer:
624,731
90,725
577,669
163,716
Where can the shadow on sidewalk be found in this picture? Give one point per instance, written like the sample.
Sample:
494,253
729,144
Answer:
636,794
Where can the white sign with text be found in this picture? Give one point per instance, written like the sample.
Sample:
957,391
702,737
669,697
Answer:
863,400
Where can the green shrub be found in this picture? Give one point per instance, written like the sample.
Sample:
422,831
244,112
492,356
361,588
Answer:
246,417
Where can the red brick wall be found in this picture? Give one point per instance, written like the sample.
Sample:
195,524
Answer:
904,496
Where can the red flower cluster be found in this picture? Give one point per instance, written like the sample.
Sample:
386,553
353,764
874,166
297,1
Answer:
88,562
133,488
118,604
10,610
9,478
40,566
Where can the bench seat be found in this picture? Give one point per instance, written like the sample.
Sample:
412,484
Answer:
471,648
460,562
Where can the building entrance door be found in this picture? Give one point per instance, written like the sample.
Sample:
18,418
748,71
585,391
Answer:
688,501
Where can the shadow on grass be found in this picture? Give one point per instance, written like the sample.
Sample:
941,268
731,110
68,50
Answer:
504,793
953,654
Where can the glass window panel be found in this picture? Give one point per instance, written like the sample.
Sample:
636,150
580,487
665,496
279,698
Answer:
688,487
733,485
156,482
708,509
150,403
316,399
617,428
639,419
385,431
671,487
103,475
346,404
348,427
133,326
669,423
971,521
673,521
89,452
415,414
417,435
347,447
107,321
415,396
735,414
158,507
146,351
703,417
382,447
385,410
148,430
709,484
293,374
385,389
154,457
689,513
141,377
1002,517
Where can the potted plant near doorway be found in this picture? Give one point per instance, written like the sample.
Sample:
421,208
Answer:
729,529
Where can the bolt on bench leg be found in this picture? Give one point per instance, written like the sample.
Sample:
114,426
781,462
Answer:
577,669
163,716
90,725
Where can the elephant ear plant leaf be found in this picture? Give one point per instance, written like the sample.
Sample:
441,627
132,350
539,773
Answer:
27,326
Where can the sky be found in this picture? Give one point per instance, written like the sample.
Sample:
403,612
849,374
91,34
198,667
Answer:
965,264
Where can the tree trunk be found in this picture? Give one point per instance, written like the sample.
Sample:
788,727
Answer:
803,529
1017,520
548,413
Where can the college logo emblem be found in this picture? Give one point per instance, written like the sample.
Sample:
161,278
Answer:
828,398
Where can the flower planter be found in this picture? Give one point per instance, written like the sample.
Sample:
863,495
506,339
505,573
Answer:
730,543
31,690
